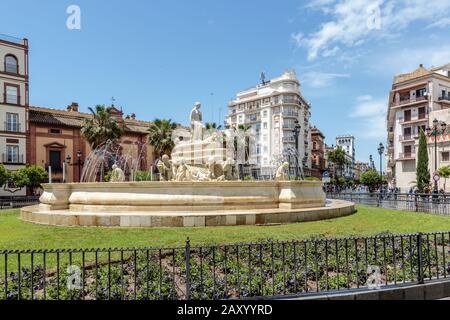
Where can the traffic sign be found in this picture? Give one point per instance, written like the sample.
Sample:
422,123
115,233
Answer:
436,176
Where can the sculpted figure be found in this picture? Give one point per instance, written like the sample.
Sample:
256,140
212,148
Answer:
182,172
227,171
281,174
165,168
196,122
117,174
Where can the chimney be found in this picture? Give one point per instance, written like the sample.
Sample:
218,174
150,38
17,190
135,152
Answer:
73,107
133,116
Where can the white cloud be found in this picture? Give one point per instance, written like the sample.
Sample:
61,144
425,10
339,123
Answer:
354,22
408,59
317,79
371,117
444,22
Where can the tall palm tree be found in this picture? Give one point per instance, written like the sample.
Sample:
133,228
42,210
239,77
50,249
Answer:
212,125
101,127
160,136
339,159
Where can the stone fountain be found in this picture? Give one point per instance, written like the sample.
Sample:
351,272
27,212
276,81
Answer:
199,187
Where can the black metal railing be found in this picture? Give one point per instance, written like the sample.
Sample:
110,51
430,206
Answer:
228,271
427,203
12,126
17,201
13,158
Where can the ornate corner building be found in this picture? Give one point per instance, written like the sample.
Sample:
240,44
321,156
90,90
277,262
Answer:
14,102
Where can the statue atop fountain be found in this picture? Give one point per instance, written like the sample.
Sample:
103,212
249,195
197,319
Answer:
196,122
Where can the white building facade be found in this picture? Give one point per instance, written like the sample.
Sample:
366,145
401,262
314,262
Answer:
347,143
416,99
14,101
272,109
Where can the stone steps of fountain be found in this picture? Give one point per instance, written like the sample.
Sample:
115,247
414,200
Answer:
334,209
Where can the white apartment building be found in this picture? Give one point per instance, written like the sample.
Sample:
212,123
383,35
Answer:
347,143
13,104
416,99
271,109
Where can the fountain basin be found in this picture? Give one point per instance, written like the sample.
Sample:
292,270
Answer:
183,204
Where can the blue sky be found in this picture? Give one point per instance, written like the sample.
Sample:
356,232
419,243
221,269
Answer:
158,57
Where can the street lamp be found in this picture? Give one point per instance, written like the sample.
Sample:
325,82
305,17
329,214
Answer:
297,128
380,152
371,161
438,128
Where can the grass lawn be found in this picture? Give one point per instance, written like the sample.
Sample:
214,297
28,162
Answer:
15,234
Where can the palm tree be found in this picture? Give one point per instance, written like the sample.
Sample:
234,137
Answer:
212,125
160,136
338,158
444,172
101,127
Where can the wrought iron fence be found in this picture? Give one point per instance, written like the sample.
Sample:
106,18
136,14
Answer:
232,271
18,201
427,203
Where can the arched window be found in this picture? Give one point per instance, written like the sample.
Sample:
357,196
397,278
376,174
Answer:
11,64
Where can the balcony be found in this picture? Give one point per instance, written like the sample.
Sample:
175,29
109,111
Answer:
11,127
409,101
420,118
407,138
13,158
407,156
445,98
290,114
288,139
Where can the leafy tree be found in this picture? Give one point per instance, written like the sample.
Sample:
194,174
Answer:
339,159
422,172
372,179
4,175
103,126
160,136
31,177
444,172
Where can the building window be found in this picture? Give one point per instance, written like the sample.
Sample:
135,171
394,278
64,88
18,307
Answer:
12,154
12,95
265,125
421,92
12,122
11,65
55,131
445,156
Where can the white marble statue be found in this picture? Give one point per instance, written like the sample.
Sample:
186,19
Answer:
196,122
165,170
281,174
117,174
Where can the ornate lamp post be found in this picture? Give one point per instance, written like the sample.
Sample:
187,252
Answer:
438,128
380,152
371,161
297,128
